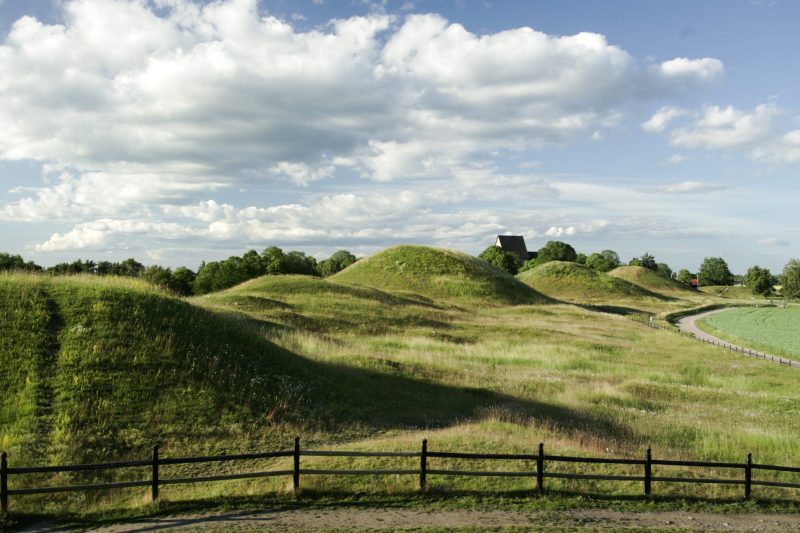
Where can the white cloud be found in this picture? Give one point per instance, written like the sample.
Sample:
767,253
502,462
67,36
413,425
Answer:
691,187
774,241
559,231
703,70
727,128
661,118
676,159
144,113
784,149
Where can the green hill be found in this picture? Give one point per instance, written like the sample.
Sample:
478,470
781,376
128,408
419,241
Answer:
652,281
102,367
580,284
437,273
731,293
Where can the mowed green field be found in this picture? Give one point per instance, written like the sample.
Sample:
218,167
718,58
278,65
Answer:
771,329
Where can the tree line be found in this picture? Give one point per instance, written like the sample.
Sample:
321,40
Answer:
211,276
712,271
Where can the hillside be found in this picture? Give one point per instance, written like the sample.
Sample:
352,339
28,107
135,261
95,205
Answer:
437,273
652,281
96,367
577,283
730,293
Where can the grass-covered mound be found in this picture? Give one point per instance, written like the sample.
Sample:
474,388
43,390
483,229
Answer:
318,305
437,273
577,283
652,281
730,293
102,367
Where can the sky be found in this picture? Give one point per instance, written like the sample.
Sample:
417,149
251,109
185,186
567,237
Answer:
176,131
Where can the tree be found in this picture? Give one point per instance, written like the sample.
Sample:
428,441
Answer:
684,276
664,270
336,263
714,271
158,275
604,261
16,262
790,279
646,261
555,251
300,263
182,281
581,258
501,259
759,280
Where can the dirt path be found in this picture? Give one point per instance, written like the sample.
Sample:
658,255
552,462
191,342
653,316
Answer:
689,325
350,519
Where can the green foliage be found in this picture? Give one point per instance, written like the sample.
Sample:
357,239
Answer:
604,261
790,279
664,270
506,261
645,261
219,275
555,251
684,276
652,281
714,271
336,263
16,262
759,280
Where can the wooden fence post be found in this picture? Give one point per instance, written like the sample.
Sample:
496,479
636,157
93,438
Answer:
4,482
540,469
648,473
423,467
154,485
296,469
748,476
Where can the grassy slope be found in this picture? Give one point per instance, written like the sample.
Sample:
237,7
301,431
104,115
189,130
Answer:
652,281
437,273
384,369
771,329
576,283
731,293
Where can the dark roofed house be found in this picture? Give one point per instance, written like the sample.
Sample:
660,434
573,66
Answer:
516,245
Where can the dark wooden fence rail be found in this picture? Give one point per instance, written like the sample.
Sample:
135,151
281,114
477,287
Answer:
540,472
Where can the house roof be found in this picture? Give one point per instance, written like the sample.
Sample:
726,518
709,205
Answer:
513,243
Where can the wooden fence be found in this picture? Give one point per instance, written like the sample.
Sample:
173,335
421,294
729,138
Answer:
722,344
541,471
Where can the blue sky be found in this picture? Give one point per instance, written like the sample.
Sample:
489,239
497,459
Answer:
176,131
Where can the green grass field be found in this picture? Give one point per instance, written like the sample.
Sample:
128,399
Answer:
770,329
99,369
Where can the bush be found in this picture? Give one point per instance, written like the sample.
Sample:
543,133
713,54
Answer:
501,259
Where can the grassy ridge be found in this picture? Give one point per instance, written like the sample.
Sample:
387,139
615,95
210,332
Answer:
573,282
771,329
437,273
652,281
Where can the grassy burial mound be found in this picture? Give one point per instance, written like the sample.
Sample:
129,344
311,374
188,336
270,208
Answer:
730,293
652,281
437,274
576,283
312,304
104,368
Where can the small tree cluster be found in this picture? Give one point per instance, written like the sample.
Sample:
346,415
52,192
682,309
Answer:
715,271
503,260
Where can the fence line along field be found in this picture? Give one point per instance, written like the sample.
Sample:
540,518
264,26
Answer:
770,329
414,343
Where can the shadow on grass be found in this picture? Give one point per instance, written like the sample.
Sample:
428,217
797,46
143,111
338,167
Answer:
228,510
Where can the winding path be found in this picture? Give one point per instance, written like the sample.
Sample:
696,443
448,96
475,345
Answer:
688,324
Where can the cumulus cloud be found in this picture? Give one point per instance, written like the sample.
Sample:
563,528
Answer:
784,149
146,109
661,118
726,128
